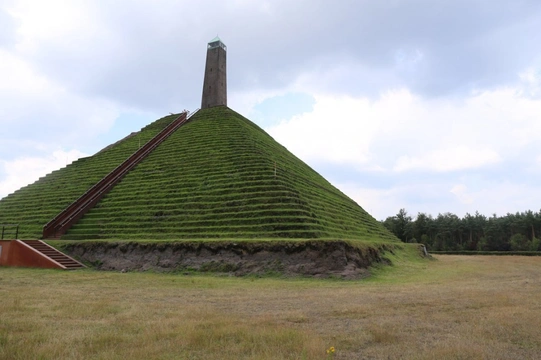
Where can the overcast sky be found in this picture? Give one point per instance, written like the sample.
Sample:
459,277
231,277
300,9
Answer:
432,106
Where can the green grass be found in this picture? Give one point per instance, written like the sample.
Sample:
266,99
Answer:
218,176
34,205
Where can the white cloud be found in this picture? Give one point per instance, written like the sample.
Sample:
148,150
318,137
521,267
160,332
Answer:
426,155
499,197
431,197
340,129
25,170
401,132
461,192
244,103
531,78
450,159
18,76
54,22
36,112
380,203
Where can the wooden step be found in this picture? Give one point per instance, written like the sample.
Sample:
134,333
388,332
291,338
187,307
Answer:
52,253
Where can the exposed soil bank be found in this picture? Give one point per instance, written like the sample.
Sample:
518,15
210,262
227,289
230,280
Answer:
311,258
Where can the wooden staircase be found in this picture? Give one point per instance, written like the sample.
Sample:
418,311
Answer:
60,258
58,226
35,254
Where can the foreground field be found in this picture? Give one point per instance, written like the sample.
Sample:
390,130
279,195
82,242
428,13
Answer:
458,307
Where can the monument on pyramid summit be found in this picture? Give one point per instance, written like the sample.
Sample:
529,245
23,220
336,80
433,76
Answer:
211,174
215,82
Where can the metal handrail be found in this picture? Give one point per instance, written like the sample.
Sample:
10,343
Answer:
4,226
67,217
193,113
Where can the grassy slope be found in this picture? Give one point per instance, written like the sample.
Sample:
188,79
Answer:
34,205
215,178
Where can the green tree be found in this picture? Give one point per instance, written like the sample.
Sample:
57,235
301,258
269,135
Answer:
421,228
519,242
400,225
447,231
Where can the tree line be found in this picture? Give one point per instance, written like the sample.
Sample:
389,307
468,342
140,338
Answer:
448,232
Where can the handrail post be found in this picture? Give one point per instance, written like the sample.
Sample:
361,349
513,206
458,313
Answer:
5,226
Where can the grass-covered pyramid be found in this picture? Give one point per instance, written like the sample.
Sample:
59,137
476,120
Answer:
218,176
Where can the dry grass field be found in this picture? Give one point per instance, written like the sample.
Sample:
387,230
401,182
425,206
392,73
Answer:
457,307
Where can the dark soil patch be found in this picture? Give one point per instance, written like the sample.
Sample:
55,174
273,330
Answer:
320,259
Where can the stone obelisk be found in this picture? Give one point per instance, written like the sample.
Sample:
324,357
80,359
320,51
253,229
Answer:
215,83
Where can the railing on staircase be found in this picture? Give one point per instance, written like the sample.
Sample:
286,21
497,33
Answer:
4,226
192,113
70,215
